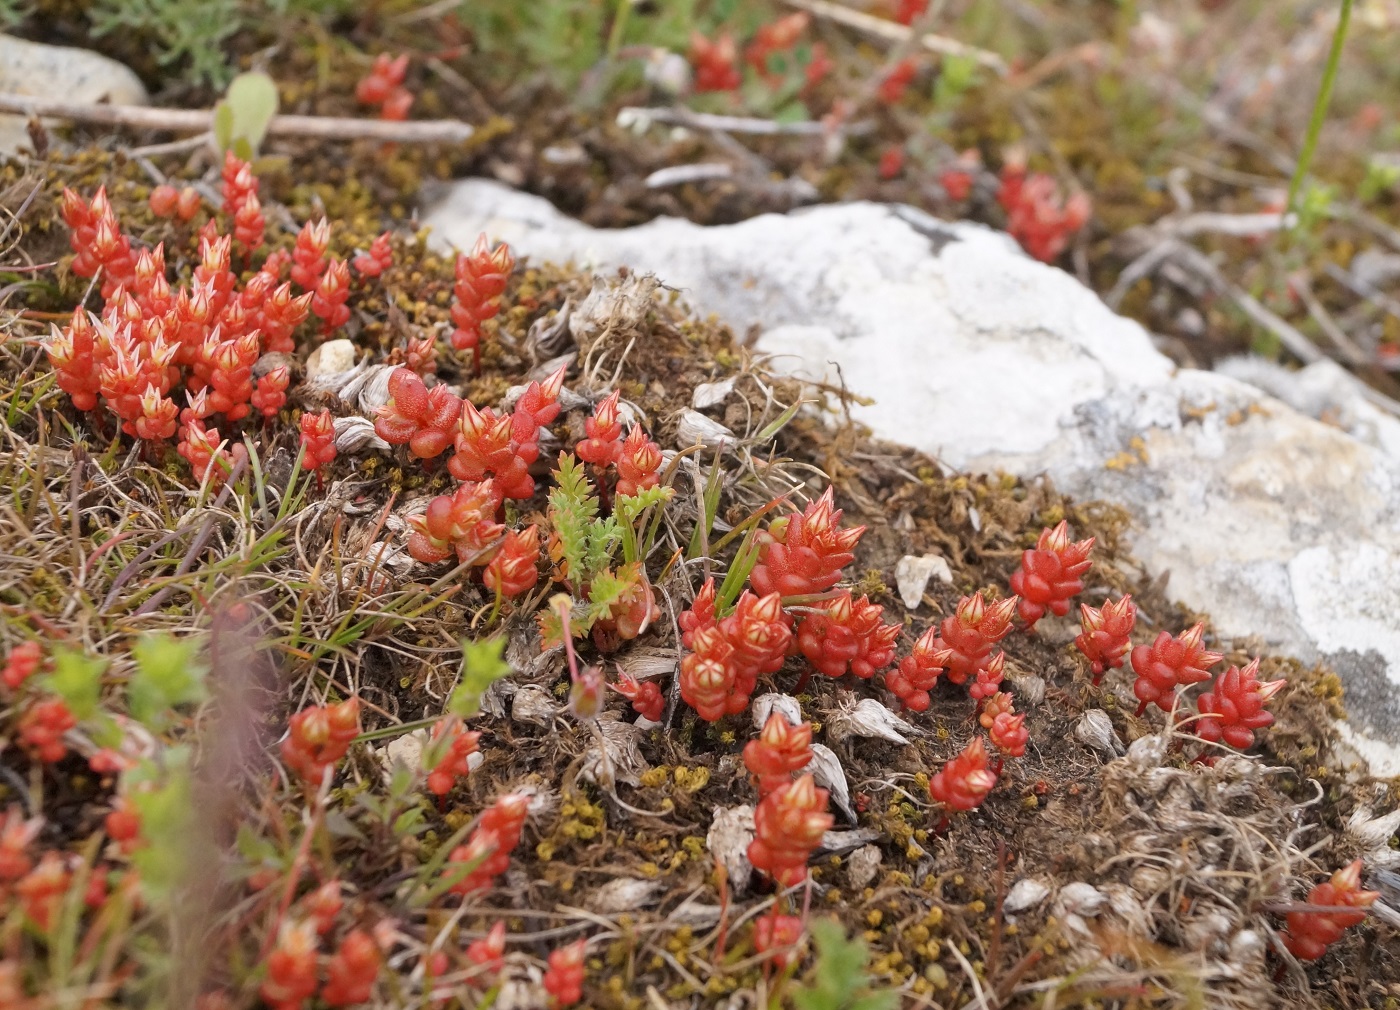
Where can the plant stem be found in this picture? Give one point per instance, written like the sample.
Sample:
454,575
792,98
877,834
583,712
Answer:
1319,112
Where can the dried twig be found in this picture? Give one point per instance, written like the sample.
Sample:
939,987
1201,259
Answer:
677,116
892,31
427,131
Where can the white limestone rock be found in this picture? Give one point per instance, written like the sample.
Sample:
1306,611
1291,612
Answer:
75,75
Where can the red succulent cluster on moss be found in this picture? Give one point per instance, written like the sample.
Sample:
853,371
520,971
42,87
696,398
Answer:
728,656
482,276
1036,216
969,633
1169,663
318,737
1233,708
788,825
965,781
919,671
462,523
1049,575
715,62
423,419
492,840
1309,934
563,979
780,750
803,554
1107,635
383,87
846,635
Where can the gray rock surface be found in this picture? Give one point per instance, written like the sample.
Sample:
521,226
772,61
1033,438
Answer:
1281,526
73,75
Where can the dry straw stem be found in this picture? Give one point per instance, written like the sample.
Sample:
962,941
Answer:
428,131
892,31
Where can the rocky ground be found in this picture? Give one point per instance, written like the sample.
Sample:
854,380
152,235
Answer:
956,396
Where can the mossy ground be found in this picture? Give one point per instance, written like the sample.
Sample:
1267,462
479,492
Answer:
85,548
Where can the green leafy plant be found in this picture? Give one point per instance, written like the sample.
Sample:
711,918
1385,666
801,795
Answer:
168,674
483,664
838,980
1319,111
244,113
12,12
192,32
589,544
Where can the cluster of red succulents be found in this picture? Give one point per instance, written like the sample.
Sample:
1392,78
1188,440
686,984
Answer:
1049,574
423,419
383,87
891,162
989,677
602,433
909,11
1309,934
1107,635
40,891
1005,727
846,635
716,63
774,37
780,750
317,440
965,781
481,278
376,259
1233,708
1036,216
778,934
788,825
42,727
493,839
957,178
293,966
352,970
970,632
488,952
513,570
208,336
1170,663
455,761
894,84
919,671
22,663
318,737
728,655
803,554
17,833
645,696
504,446
241,202
270,391
462,523
563,979
167,201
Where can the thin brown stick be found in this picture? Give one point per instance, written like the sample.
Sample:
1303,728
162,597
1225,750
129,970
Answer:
427,131
893,31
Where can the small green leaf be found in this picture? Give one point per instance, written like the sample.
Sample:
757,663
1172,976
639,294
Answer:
77,679
250,104
223,125
167,675
482,665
